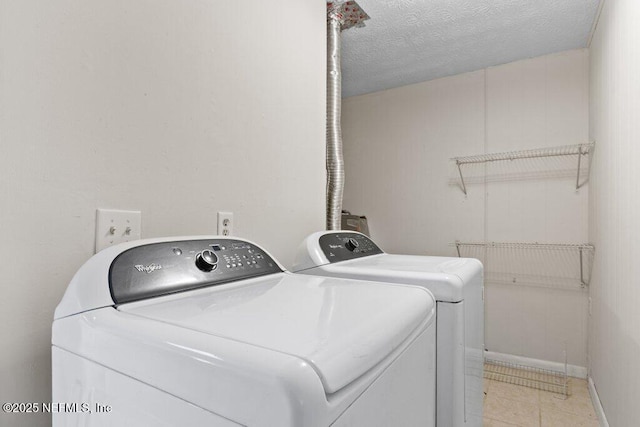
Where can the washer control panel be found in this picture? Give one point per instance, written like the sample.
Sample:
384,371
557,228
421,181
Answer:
163,268
344,245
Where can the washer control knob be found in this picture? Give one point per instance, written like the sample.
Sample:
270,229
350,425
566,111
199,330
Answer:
207,260
352,244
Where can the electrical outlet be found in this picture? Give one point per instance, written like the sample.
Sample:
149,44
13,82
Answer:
225,223
116,226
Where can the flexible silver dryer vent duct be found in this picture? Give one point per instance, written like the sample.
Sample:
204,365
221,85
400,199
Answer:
340,16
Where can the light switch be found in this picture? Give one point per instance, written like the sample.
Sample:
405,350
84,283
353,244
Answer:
117,226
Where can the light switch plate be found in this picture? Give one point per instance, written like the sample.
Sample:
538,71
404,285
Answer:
116,226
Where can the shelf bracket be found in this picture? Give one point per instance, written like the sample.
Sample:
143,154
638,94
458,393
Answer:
582,282
580,154
578,175
464,187
458,249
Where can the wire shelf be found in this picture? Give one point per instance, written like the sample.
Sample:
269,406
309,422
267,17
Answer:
565,150
553,265
578,150
537,378
523,245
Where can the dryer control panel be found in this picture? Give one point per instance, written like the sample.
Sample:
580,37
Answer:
343,246
163,268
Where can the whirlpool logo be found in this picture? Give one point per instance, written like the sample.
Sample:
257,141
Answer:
148,268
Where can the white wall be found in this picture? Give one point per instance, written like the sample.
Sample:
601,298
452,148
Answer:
177,108
397,148
614,339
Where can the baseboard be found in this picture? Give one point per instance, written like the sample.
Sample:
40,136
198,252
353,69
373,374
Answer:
572,370
597,405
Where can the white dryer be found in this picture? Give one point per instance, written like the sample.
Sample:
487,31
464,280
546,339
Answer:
456,283
213,331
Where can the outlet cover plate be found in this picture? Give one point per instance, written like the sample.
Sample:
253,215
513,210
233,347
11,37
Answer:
117,226
225,223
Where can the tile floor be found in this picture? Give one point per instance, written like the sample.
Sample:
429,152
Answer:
508,405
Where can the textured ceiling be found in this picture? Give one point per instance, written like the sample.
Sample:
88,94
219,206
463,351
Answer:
410,41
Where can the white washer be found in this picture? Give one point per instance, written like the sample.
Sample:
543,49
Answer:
457,285
213,331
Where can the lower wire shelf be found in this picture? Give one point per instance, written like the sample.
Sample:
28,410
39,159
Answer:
537,378
553,265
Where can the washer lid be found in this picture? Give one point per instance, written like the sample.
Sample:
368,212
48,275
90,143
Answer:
342,328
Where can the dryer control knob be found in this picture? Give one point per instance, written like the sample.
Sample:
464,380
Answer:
352,244
207,260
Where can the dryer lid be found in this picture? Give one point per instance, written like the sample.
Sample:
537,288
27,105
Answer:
342,328
445,277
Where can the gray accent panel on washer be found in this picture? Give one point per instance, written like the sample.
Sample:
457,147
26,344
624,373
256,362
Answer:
164,268
337,247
